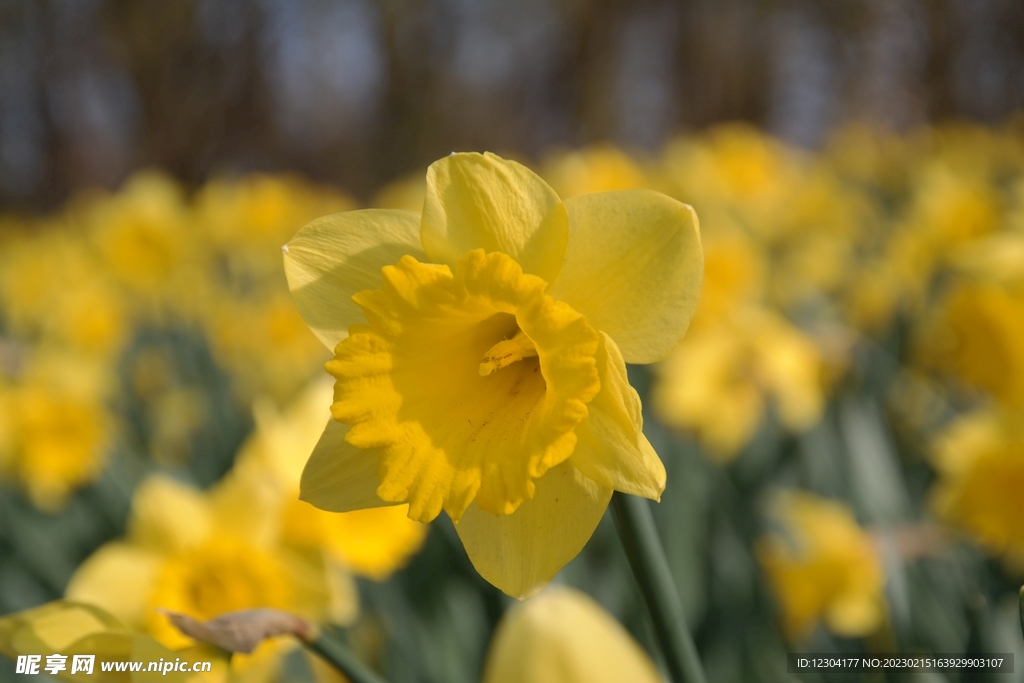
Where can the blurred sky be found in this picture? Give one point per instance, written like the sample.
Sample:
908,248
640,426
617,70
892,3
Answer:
357,92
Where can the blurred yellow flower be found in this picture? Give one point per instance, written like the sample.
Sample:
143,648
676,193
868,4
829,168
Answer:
263,343
821,226
253,329
221,574
372,542
70,629
822,567
600,168
481,384
563,636
952,207
734,169
202,555
948,209
979,337
997,259
261,210
721,378
872,297
143,232
244,221
33,272
734,274
980,459
91,318
54,429
52,290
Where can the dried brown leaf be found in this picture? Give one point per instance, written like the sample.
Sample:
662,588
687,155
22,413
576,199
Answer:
242,631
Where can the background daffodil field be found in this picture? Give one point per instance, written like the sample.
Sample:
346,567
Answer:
842,424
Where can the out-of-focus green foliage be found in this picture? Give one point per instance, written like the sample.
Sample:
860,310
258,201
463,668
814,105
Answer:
841,424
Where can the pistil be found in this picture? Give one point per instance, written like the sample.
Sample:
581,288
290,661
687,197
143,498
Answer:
507,352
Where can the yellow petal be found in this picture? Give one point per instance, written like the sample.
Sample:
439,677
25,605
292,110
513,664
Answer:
481,201
53,627
855,614
169,515
342,594
521,552
633,267
284,439
338,476
563,636
246,504
70,629
336,256
118,577
705,385
790,367
611,448
373,542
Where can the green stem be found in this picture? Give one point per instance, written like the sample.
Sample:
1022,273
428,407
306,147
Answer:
338,655
650,568
1021,606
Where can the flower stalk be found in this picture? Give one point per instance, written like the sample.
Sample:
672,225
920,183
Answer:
647,559
1021,606
341,658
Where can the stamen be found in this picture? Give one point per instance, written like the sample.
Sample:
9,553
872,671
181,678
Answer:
507,352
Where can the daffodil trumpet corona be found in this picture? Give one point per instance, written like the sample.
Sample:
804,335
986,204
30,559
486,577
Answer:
479,356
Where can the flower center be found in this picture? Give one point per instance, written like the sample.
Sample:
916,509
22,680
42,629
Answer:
469,384
507,352
223,574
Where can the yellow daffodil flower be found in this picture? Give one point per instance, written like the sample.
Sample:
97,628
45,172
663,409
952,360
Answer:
978,336
823,567
563,636
54,428
479,356
142,232
721,377
998,259
734,275
204,555
949,210
52,289
873,296
736,171
980,459
952,206
263,343
257,212
251,324
820,227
